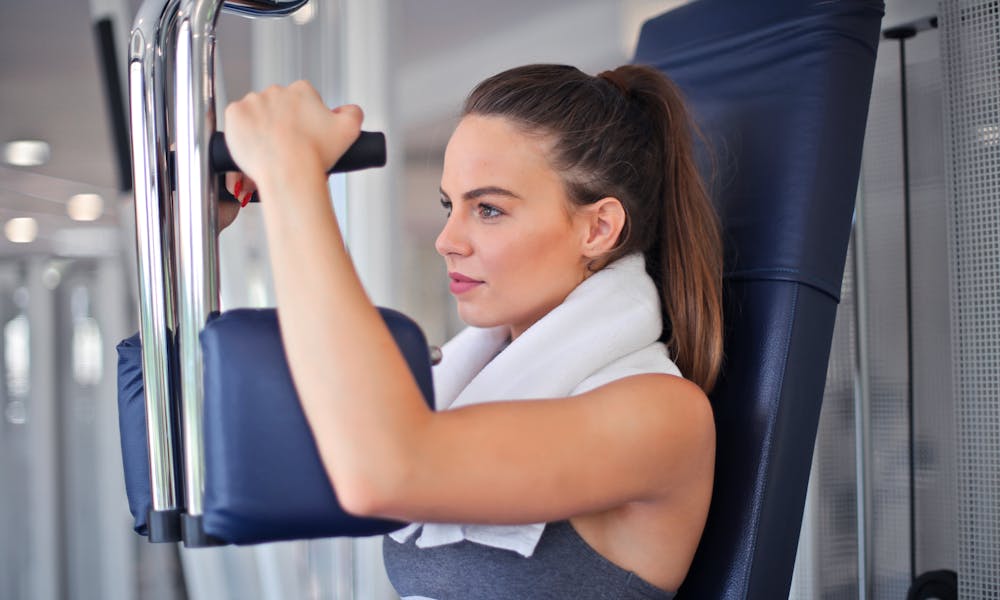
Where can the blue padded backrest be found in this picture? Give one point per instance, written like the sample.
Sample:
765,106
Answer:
781,91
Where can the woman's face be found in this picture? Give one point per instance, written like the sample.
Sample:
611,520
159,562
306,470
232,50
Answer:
512,243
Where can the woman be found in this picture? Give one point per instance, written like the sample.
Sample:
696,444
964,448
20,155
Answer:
562,191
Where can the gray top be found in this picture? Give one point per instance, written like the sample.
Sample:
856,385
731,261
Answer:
562,566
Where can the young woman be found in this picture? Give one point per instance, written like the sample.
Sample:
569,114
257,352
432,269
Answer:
584,253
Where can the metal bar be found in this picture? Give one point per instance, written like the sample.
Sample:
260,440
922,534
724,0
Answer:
150,178
902,33
263,8
46,560
196,221
909,306
862,406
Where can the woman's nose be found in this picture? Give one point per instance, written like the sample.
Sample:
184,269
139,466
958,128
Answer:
452,239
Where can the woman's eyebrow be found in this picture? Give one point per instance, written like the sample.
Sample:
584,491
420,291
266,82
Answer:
490,190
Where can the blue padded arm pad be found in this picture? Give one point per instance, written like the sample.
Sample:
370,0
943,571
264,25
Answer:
132,430
264,480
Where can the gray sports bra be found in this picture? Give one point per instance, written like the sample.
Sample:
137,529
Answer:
562,566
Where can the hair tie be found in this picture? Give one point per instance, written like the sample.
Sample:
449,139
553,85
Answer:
616,80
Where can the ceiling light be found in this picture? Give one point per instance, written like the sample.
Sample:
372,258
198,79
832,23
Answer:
304,14
85,207
21,230
26,153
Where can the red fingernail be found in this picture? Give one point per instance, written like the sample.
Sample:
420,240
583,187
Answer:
246,200
237,188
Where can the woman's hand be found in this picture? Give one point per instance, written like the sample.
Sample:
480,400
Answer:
285,132
241,187
227,214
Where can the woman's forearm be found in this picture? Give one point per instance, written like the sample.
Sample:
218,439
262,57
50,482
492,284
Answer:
363,406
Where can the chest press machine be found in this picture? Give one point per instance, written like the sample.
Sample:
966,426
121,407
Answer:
184,420
781,90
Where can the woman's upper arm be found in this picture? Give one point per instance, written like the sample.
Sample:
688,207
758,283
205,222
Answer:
530,461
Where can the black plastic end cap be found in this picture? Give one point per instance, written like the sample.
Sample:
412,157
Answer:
165,525
194,534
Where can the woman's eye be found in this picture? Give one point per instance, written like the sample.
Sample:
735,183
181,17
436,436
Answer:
447,205
489,212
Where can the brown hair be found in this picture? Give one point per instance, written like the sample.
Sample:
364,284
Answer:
626,133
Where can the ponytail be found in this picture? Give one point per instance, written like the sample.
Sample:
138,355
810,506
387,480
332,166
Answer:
687,256
626,133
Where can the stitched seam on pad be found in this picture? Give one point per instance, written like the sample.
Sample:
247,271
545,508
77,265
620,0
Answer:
820,285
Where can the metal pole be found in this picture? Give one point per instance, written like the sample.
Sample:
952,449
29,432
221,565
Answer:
909,305
47,562
368,28
197,245
862,406
150,175
902,33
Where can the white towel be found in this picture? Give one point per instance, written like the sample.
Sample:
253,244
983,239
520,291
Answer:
606,329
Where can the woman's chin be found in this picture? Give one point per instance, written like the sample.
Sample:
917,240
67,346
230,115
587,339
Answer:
475,318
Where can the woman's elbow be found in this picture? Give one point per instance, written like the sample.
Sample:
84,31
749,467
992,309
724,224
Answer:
372,489
359,500
372,475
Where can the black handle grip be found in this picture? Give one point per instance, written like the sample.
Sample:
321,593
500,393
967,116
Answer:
367,152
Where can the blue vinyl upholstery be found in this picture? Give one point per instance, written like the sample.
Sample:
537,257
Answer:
264,480
781,91
263,477
132,430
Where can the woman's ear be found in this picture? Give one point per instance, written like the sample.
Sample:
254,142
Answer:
604,221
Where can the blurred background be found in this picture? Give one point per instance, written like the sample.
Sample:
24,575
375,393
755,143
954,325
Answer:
68,284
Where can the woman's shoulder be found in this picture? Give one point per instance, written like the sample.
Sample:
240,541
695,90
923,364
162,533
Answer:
668,416
654,387
664,400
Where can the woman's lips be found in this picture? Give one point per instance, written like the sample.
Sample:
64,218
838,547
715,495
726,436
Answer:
461,284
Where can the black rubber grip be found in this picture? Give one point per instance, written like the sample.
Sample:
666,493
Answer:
367,152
